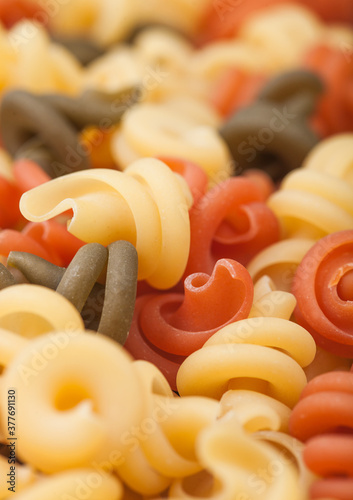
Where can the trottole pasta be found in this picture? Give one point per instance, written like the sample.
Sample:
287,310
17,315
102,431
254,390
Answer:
320,418
147,189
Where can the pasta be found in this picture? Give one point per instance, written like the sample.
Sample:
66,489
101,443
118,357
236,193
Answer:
182,128
165,327
272,133
149,152
323,288
328,451
166,195
231,220
22,312
262,354
45,128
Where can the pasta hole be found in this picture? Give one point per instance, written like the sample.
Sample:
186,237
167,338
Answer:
27,325
200,280
200,485
69,396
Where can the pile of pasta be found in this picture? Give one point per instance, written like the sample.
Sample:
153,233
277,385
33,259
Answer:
176,250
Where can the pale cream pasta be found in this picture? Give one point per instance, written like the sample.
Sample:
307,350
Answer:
183,128
37,64
109,205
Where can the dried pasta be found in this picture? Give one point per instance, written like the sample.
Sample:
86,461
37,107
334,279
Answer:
166,328
328,451
323,288
165,199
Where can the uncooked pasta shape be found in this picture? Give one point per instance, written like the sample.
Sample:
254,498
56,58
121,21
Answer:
323,418
109,205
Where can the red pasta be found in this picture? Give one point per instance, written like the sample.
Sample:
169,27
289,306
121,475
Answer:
323,288
335,108
11,239
324,419
194,175
168,327
230,221
55,238
12,11
28,175
223,18
236,88
10,214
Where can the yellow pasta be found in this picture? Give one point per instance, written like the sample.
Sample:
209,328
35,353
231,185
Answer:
109,205
159,448
183,128
269,302
313,204
234,463
39,65
333,156
70,414
283,31
22,311
74,485
261,354
280,261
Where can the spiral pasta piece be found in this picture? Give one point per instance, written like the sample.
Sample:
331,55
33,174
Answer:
263,354
148,190
323,289
329,444
168,327
280,261
312,204
77,420
235,462
157,450
231,220
333,156
183,128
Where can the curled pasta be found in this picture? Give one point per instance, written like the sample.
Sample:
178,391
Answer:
312,204
280,261
157,452
235,461
263,354
231,220
166,327
183,128
68,414
321,418
147,190
323,289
